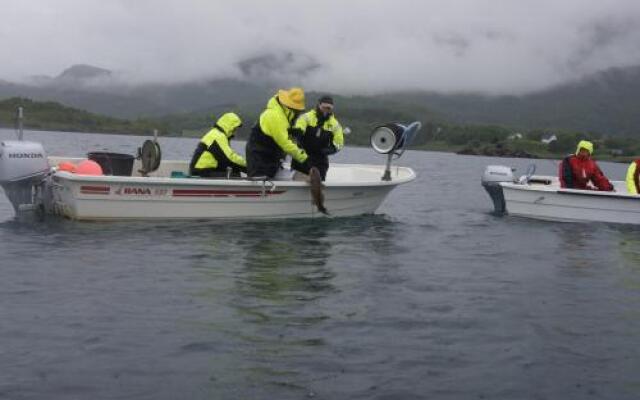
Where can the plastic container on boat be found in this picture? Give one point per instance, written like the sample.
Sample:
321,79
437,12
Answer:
117,164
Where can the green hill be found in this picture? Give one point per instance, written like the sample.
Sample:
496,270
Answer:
57,117
361,114
605,103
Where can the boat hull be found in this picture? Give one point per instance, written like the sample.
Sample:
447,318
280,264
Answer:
550,202
355,190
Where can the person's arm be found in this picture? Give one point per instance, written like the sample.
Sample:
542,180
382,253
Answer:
224,154
600,180
279,132
338,137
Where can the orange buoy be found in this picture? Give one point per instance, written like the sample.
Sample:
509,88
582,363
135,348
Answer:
88,167
67,166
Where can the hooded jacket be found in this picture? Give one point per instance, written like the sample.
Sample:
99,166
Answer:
576,173
270,142
213,151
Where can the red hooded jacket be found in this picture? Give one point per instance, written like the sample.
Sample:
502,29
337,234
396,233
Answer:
576,173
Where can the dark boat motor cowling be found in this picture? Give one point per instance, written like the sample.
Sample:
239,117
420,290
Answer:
22,165
491,178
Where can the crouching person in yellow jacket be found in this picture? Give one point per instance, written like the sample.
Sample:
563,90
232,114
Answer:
269,142
214,156
633,177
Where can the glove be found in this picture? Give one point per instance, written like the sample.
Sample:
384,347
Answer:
303,167
329,150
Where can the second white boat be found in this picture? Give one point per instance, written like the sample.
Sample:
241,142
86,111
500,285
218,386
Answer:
541,197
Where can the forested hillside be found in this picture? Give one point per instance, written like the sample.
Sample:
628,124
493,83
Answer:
605,103
361,114
57,117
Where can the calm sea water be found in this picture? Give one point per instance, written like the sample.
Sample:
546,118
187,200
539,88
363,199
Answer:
433,298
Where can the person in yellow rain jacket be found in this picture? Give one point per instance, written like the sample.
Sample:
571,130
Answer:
633,178
214,156
320,135
269,142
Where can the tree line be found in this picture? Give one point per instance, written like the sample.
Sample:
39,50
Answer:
360,114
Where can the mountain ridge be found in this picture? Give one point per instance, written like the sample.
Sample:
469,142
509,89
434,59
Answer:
604,102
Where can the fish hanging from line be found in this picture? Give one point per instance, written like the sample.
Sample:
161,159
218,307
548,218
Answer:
315,182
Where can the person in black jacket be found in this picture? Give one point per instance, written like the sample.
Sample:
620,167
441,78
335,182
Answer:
320,134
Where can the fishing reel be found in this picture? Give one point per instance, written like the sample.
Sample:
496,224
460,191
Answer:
150,155
393,139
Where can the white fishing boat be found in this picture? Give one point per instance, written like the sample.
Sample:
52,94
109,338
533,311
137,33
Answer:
541,197
161,189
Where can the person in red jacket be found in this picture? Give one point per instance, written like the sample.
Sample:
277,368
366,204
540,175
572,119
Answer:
580,171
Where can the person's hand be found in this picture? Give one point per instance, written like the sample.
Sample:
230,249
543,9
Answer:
303,167
331,149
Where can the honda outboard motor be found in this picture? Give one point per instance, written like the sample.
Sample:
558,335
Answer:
22,165
491,178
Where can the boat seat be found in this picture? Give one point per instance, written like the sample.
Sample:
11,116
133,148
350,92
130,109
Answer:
542,181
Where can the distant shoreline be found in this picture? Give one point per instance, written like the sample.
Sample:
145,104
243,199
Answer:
431,146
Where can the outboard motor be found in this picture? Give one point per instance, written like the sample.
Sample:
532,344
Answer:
491,178
22,165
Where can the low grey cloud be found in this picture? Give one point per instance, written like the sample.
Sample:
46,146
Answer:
605,41
457,43
350,47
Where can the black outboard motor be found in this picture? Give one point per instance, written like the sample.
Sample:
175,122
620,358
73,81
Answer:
491,178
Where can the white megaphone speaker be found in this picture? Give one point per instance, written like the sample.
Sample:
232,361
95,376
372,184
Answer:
392,140
386,138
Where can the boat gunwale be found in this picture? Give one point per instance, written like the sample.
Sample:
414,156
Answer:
155,180
551,188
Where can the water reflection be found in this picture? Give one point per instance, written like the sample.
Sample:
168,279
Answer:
629,247
577,242
282,288
286,263
285,270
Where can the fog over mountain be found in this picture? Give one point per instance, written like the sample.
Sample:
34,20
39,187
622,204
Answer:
354,47
101,91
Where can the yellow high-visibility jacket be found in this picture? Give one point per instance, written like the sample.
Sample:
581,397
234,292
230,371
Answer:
316,139
214,152
633,179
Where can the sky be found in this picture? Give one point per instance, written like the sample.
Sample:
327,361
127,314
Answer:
348,46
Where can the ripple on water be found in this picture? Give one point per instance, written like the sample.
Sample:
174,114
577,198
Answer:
435,298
